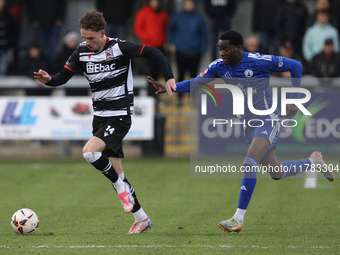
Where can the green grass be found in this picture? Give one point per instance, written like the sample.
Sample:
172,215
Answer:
80,213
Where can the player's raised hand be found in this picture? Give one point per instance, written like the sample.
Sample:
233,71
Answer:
158,86
42,76
291,109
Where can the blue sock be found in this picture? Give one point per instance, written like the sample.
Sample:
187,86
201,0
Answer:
248,182
292,168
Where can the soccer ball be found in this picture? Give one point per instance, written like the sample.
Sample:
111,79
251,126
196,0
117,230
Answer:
25,221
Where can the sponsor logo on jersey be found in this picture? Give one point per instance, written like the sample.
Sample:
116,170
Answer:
248,73
264,132
99,68
280,64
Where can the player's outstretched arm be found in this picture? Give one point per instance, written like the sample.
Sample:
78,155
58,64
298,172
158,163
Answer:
170,86
42,76
160,89
55,80
182,86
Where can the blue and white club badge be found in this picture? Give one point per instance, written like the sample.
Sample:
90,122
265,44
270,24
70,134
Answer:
248,73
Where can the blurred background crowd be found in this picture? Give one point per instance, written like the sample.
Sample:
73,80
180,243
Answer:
43,33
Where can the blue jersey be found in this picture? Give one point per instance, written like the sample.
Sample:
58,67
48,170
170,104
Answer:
252,71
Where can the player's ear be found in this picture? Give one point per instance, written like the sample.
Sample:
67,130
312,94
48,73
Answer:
102,33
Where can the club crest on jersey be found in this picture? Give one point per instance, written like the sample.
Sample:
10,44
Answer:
248,73
109,53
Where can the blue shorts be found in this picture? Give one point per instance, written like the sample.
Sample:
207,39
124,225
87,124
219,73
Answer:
270,130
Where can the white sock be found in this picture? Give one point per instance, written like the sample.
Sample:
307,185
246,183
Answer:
140,215
122,176
119,185
239,215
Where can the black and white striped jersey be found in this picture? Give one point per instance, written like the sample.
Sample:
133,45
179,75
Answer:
109,74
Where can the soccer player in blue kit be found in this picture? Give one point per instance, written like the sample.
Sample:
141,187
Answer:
237,64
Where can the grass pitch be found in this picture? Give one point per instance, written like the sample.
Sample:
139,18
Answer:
80,213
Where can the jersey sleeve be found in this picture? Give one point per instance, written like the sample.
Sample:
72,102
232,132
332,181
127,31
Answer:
73,63
209,72
132,50
70,68
282,64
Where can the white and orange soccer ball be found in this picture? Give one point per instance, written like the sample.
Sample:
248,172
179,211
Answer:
25,222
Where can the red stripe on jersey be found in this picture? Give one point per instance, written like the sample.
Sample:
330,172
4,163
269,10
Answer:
140,53
69,68
107,40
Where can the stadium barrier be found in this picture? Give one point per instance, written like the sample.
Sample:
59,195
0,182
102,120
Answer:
33,112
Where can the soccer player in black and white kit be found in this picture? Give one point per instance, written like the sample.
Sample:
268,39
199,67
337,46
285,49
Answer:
106,63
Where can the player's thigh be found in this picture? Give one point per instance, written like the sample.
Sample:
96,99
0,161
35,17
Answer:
262,140
94,144
113,133
258,147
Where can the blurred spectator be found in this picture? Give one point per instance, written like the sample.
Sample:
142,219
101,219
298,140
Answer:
316,35
288,51
220,13
264,13
7,36
335,10
14,7
150,26
327,63
252,44
33,60
47,18
116,13
151,23
188,39
70,43
291,23
323,5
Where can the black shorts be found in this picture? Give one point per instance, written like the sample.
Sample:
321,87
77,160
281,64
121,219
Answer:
112,130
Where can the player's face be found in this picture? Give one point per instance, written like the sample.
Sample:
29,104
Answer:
95,41
231,54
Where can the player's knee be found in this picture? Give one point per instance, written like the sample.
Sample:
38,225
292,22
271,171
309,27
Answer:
92,156
276,178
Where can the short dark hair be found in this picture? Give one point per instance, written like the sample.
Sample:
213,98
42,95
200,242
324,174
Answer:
94,21
234,37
